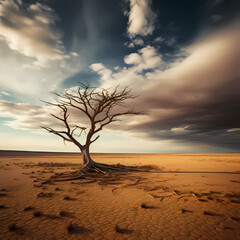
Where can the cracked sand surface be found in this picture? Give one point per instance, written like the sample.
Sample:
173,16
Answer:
144,206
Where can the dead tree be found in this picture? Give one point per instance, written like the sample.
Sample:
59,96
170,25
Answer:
99,106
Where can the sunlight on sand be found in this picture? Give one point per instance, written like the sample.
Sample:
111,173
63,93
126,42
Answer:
190,196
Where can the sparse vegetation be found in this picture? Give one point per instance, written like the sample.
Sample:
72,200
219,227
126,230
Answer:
37,214
143,205
122,230
70,228
12,227
26,209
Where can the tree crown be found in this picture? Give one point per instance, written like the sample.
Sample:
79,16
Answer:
100,106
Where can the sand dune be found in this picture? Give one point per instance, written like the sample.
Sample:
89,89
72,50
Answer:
191,196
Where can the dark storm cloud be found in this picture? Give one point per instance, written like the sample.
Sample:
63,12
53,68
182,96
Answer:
186,20
198,99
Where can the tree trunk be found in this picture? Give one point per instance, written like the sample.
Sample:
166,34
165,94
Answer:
87,160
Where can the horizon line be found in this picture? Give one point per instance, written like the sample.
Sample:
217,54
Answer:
78,152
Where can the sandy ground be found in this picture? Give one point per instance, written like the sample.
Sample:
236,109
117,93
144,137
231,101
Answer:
192,196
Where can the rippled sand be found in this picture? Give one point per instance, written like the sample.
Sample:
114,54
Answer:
191,196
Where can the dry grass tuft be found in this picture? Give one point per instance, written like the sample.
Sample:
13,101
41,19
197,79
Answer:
69,198
211,214
70,228
145,206
45,195
26,209
37,214
12,227
122,230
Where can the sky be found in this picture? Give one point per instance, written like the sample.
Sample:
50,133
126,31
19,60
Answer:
181,58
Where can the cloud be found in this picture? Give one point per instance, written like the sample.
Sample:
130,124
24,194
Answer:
159,39
133,58
141,18
200,92
33,59
194,99
167,41
233,130
138,42
105,73
25,116
179,130
30,31
135,42
31,117
146,59
4,93
21,79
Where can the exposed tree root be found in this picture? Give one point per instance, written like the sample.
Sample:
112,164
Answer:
106,169
98,171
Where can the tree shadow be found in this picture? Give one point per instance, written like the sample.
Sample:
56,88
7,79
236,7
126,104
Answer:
14,228
76,229
123,230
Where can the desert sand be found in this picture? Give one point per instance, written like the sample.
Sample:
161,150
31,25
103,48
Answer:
190,196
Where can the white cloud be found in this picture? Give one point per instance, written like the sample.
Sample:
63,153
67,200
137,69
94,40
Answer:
138,41
4,93
147,58
74,54
159,39
32,58
30,31
133,58
21,78
26,116
97,67
179,130
141,18
234,130
135,42
31,117
102,70
130,45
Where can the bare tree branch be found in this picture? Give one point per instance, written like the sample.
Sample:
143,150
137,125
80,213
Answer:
96,104
58,133
96,138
